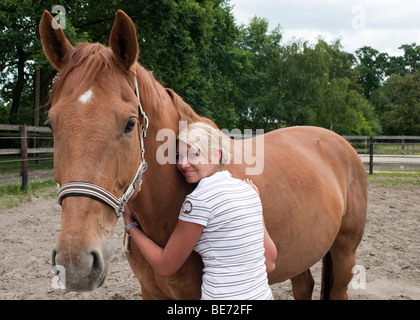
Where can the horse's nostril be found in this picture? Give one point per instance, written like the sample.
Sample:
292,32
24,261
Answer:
97,264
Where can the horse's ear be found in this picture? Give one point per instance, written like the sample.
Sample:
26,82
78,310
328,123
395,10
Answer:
54,42
123,40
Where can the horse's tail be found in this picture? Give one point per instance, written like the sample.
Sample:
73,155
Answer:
327,277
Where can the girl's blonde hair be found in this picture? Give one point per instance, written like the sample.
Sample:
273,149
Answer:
206,139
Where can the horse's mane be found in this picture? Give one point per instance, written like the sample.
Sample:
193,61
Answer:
185,111
153,93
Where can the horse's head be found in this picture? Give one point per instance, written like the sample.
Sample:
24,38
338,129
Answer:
95,121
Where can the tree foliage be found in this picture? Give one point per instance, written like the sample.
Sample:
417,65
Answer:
392,85
241,76
398,103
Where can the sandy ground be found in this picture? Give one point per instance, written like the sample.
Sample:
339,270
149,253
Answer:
388,255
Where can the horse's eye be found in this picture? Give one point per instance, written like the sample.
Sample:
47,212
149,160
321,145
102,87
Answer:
130,125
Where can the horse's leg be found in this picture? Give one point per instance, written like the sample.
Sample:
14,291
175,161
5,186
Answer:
343,251
342,265
343,254
303,285
343,257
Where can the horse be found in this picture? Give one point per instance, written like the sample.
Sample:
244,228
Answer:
107,114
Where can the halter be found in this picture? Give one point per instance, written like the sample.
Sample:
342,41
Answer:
90,190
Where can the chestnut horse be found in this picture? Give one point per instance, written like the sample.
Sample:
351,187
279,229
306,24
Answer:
313,185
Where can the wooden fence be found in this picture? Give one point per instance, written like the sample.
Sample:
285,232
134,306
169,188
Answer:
380,145
9,133
364,145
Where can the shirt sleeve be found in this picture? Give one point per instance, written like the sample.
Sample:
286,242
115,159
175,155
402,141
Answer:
195,211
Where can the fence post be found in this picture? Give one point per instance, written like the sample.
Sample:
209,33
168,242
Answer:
371,155
24,156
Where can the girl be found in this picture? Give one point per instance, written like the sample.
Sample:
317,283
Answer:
221,220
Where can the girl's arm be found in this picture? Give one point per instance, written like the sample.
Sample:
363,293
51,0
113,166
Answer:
269,246
168,260
270,251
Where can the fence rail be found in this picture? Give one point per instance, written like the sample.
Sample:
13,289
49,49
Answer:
364,145
9,133
380,145
398,144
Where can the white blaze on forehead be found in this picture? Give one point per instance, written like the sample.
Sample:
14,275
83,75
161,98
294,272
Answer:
84,98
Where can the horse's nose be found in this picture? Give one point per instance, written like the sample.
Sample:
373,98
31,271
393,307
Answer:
81,271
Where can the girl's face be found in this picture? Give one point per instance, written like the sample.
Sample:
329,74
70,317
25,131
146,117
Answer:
193,165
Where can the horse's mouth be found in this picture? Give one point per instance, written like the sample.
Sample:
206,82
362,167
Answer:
86,284
78,278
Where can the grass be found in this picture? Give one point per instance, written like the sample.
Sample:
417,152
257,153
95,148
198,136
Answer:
394,179
12,195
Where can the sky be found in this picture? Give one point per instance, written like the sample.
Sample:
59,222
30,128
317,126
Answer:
383,25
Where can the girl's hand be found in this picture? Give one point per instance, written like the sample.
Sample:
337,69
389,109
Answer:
127,215
249,181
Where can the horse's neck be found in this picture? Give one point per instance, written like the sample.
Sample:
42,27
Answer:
163,190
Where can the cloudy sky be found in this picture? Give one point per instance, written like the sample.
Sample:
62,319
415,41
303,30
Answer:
382,24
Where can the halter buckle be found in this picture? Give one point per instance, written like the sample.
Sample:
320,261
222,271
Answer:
120,210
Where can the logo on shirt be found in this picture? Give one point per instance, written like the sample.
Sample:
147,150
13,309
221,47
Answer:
187,207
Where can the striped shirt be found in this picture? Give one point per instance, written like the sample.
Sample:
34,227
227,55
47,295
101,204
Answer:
232,242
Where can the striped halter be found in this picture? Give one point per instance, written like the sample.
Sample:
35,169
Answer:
90,190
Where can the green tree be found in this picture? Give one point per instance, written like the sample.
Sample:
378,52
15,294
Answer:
239,76
17,45
398,103
183,41
222,64
258,106
321,89
411,57
190,46
371,68
21,54
407,63
304,75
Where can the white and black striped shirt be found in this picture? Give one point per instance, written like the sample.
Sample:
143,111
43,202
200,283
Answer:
232,242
